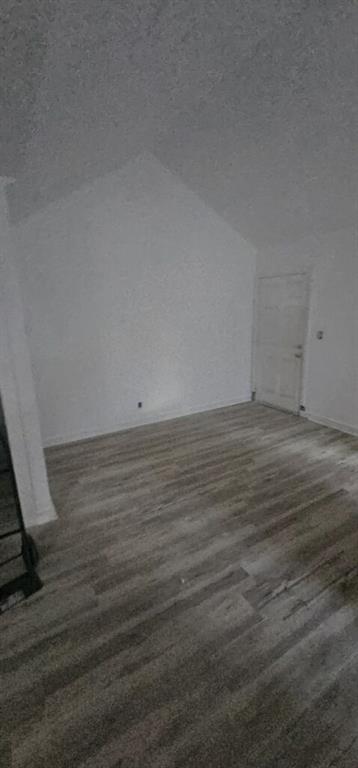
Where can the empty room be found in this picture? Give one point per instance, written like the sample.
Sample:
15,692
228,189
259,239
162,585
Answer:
178,384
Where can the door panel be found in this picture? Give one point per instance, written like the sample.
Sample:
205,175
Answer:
280,336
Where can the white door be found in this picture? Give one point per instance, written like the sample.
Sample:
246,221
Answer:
280,337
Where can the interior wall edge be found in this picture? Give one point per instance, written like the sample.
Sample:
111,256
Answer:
122,426
327,422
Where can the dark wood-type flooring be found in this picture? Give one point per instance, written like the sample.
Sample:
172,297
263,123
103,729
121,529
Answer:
200,605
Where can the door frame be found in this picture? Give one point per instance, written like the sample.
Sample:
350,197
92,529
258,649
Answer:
308,278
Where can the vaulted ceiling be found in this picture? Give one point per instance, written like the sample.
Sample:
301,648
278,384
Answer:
252,103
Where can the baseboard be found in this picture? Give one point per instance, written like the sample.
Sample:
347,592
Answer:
332,423
41,516
142,422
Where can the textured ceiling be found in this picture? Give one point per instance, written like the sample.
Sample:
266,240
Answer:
23,39
253,103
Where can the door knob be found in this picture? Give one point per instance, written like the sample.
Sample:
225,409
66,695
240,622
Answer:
298,355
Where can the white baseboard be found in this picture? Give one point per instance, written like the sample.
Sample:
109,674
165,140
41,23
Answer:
326,422
142,421
41,516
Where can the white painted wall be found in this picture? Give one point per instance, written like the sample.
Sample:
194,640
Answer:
134,290
331,371
17,389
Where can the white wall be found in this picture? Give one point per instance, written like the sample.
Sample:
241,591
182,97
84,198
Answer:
134,290
17,389
331,376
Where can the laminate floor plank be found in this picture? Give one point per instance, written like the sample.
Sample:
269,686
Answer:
200,601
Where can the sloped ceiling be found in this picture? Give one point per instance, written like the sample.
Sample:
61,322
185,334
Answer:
253,103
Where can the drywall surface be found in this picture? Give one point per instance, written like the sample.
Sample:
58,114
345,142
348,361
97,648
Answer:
331,365
17,390
134,291
253,104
